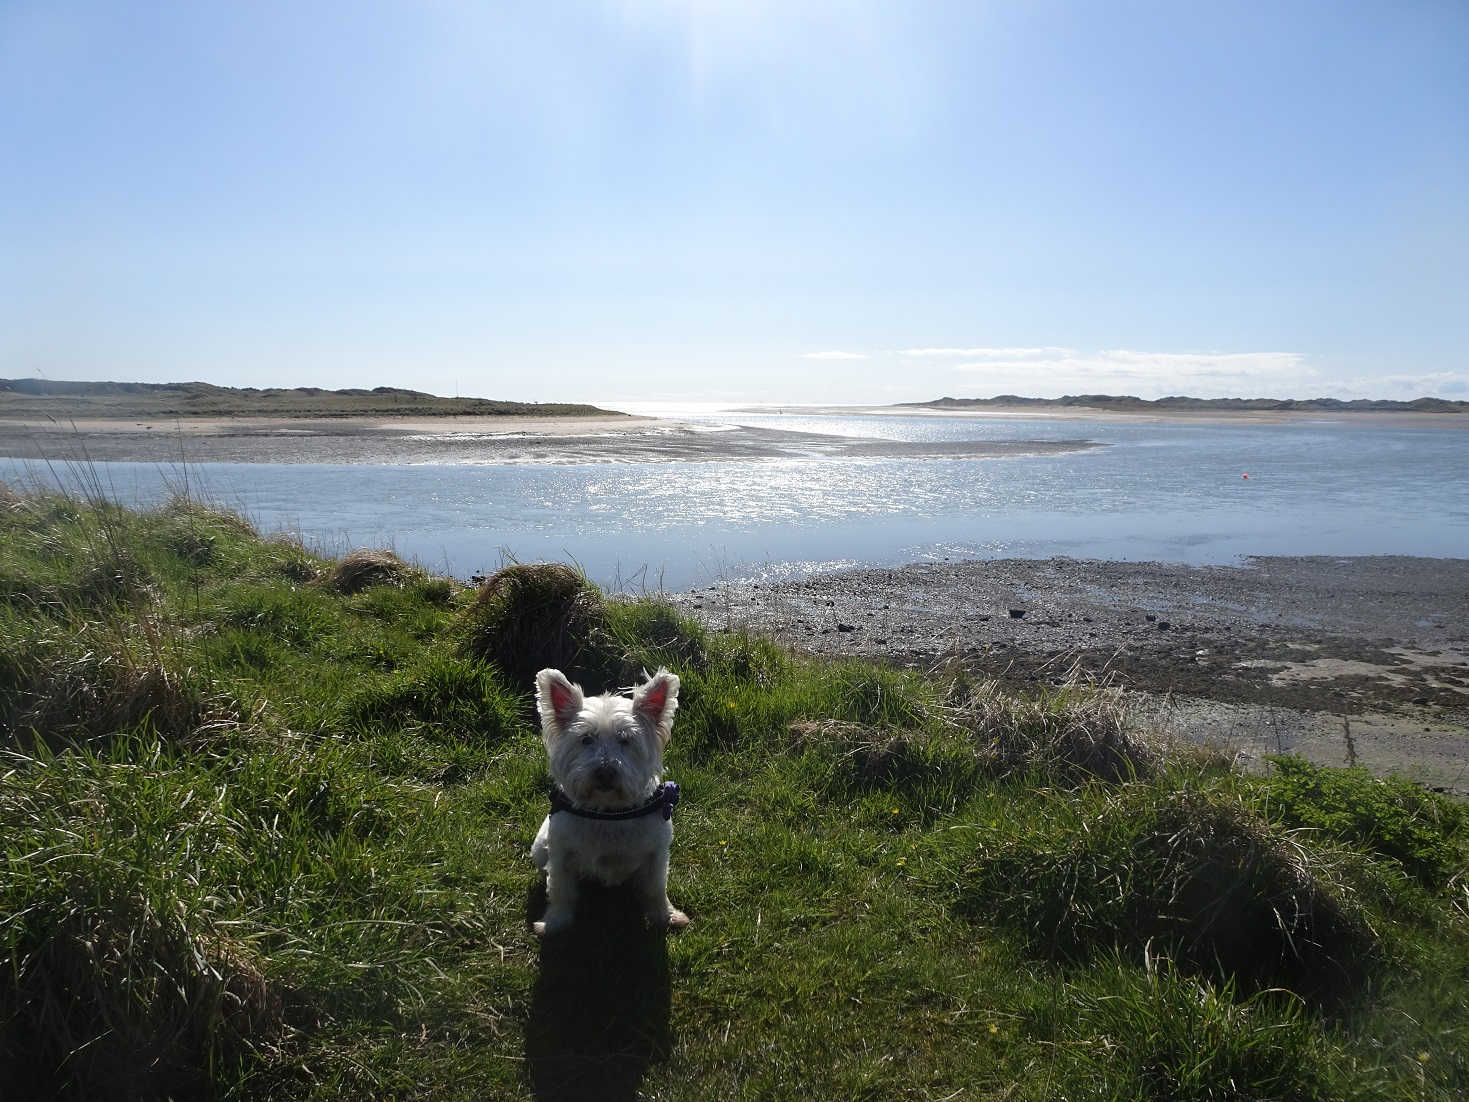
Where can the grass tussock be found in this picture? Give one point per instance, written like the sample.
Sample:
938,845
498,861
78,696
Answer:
1070,734
1193,873
122,977
870,760
919,765
362,569
645,634
272,843
294,563
530,616
114,578
58,689
447,698
1158,1034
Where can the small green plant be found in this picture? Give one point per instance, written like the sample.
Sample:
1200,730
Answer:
438,592
1426,833
294,618
933,769
872,695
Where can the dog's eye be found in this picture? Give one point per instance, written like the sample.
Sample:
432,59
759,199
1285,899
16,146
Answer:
587,740
623,740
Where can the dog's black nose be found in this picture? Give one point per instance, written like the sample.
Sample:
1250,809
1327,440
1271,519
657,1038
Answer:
605,776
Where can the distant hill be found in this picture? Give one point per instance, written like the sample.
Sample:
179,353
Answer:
1127,403
41,398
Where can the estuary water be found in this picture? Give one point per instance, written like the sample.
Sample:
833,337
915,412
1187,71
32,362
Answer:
1165,491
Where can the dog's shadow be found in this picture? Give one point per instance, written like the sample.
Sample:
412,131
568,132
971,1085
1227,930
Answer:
600,1013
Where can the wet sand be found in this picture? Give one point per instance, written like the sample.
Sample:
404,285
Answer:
466,441
1355,659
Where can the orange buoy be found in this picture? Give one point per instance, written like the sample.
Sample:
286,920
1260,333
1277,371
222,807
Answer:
1244,476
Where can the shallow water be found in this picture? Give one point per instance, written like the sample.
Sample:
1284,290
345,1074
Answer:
1158,491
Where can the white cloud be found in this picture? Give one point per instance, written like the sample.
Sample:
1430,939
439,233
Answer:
833,355
1051,372
988,353
1433,384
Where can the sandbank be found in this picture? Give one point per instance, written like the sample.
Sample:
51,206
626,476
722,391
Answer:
466,441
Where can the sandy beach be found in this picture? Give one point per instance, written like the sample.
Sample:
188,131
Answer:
464,440
1338,659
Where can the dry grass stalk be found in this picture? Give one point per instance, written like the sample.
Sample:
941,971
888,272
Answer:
870,758
1080,729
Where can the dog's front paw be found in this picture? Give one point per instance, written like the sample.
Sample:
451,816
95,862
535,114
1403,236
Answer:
555,922
676,919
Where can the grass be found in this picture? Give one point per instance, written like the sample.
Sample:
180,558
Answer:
266,836
39,399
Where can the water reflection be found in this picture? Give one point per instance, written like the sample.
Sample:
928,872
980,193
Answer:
1158,491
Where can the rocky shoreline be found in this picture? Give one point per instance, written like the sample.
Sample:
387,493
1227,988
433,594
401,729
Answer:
1344,660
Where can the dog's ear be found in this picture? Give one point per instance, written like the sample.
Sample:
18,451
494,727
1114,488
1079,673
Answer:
657,700
558,701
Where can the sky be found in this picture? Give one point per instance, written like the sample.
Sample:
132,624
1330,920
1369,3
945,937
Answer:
739,200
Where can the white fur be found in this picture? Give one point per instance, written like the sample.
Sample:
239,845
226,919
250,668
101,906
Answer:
606,753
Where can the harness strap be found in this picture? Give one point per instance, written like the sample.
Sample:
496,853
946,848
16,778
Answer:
663,799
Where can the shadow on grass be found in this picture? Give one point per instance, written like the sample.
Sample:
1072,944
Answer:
600,1013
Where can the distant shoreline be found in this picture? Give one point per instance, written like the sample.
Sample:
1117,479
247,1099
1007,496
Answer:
1126,403
45,400
986,408
182,405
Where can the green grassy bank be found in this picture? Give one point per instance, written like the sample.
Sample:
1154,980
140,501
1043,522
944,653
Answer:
65,401
266,820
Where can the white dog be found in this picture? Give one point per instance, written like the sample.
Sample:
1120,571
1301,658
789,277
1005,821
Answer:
611,820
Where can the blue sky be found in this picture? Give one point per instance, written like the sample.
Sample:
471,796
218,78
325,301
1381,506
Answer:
743,201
